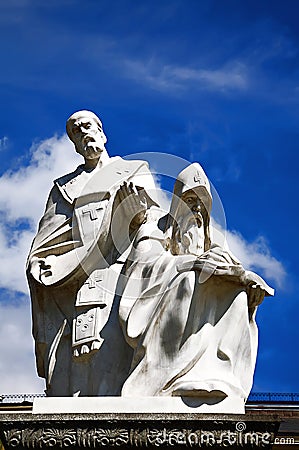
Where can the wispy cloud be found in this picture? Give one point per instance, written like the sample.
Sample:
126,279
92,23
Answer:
233,76
23,191
256,256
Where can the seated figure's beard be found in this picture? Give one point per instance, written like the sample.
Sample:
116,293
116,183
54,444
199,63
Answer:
188,238
192,241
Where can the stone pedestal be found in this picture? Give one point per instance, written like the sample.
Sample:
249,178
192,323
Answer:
139,405
136,430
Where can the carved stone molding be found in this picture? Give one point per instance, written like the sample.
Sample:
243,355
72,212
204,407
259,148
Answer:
139,431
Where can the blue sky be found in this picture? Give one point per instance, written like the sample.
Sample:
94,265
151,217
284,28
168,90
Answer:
208,81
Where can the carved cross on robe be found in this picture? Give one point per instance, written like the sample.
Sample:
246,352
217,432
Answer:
92,211
92,293
92,281
197,178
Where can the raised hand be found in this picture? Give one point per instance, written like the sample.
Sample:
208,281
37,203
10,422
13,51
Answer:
133,203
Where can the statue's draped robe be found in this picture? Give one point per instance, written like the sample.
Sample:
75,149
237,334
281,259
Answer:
82,297
192,335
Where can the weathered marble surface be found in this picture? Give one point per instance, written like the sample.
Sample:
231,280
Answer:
129,302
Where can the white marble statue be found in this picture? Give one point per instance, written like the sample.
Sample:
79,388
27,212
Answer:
74,264
128,303
188,307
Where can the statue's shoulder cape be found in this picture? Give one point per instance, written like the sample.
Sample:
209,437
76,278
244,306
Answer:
106,179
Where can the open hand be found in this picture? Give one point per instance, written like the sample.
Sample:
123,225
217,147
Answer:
133,202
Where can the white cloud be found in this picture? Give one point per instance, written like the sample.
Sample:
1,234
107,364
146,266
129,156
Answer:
17,364
162,197
230,77
254,255
23,195
257,256
23,192
14,247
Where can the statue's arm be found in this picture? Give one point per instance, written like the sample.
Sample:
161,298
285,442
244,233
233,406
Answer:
53,240
35,257
220,262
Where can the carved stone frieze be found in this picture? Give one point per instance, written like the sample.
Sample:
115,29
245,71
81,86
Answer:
137,433
100,437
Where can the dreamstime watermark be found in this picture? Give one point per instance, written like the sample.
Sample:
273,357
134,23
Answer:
284,440
206,438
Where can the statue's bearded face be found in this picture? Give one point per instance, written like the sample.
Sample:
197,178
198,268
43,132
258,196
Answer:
88,137
190,235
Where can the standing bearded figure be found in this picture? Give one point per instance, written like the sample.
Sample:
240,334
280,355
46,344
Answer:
188,307
75,261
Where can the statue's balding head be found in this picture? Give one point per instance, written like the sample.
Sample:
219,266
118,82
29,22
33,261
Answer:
83,114
85,130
